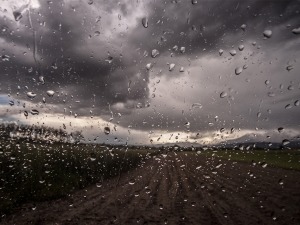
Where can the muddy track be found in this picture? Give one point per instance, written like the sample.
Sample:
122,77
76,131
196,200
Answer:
179,189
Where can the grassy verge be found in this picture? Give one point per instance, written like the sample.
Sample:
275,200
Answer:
32,172
287,159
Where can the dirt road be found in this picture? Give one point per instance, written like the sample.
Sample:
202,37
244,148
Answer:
179,189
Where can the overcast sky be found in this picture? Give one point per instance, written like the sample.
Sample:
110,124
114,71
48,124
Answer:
97,57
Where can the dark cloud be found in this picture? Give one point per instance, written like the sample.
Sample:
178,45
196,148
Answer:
94,57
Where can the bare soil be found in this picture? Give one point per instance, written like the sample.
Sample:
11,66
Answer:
178,189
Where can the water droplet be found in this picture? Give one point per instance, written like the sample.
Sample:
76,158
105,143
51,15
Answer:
97,33
223,94
161,207
280,182
297,103
99,184
267,33
34,112
187,125
17,15
90,2
218,166
11,103
109,59
149,66
50,93
280,129
196,106
221,52
171,66
288,106
31,94
285,142
106,130
258,114
132,181
238,70
5,58
264,165
289,68
25,113
232,52
181,69
271,94
145,22
222,130
182,49
41,79
241,47
139,105
296,30
154,53
243,27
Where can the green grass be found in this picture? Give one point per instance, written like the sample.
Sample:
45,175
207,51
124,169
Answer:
32,172
287,159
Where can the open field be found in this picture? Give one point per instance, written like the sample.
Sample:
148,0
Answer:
178,188
34,172
287,159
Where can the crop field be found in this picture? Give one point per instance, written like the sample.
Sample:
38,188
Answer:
38,172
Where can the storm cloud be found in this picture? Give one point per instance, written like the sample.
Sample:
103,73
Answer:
97,58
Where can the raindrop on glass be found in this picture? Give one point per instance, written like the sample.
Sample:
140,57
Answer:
145,22
154,53
296,30
17,15
34,112
171,66
196,106
132,181
241,47
280,129
289,68
41,79
221,52
50,93
232,52
182,49
106,130
223,94
267,33
148,66
109,59
285,142
31,94
288,106
238,70
243,27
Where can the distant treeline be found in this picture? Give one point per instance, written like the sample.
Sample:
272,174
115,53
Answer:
39,133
